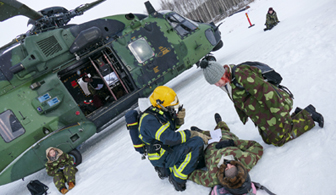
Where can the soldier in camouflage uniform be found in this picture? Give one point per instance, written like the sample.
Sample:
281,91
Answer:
265,104
61,166
271,19
247,152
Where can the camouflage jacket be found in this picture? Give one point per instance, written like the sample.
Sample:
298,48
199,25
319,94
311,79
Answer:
271,19
63,160
246,151
265,104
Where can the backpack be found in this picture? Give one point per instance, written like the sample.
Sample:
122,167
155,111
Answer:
132,123
220,190
132,118
268,73
37,188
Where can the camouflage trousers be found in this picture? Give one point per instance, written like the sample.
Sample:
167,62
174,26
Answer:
287,128
67,175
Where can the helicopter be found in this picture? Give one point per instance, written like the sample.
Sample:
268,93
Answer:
62,83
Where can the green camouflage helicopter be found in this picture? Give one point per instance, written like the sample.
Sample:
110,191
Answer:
61,83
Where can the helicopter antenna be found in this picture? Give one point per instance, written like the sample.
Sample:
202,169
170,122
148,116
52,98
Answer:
150,8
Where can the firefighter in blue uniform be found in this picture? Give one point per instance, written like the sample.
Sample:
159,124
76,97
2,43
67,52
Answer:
174,154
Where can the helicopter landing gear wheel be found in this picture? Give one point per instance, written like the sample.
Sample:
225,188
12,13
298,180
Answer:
210,58
77,156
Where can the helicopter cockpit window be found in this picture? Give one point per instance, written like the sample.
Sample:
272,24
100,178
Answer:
141,50
10,126
182,25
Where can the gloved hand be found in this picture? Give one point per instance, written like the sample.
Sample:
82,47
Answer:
204,137
180,117
225,143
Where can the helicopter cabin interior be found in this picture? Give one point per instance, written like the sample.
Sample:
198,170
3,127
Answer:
97,81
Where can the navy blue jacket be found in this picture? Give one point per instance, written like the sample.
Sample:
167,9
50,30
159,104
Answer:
160,127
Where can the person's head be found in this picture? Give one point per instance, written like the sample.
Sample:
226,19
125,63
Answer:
87,79
164,96
234,177
216,74
270,10
52,153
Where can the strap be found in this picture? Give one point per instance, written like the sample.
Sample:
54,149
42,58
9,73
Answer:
285,89
234,80
156,145
261,187
155,112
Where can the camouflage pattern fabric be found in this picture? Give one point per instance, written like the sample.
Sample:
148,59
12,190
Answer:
271,20
268,107
245,151
62,170
67,175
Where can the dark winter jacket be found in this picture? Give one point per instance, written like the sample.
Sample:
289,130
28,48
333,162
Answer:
160,128
271,20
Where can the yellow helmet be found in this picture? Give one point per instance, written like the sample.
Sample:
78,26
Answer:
165,96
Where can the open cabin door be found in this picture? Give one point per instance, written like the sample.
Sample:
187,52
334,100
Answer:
97,82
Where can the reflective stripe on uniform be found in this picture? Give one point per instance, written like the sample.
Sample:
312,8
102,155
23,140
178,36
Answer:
161,130
132,124
139,145
142,116
178,171
183,136
156,156
140,136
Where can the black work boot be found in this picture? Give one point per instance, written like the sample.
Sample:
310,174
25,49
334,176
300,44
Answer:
317,117
297,110
162,172
194,128
178,186
218,118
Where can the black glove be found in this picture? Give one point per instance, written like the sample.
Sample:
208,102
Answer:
225,143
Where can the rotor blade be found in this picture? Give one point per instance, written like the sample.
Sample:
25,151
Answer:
88,6
11,8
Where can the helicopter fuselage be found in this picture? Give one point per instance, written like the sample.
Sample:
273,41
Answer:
61,86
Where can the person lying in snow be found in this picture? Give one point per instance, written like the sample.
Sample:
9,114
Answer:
228,162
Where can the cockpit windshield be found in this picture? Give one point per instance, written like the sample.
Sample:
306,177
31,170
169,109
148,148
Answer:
10,126
182,25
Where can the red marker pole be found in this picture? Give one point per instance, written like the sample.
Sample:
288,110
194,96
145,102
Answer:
248,19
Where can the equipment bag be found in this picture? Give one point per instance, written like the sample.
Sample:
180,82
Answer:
37,188
220,190
268,73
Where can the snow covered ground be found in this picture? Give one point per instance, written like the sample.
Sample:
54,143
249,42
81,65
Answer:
302,48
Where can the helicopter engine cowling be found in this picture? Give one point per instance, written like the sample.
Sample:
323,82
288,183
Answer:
86,38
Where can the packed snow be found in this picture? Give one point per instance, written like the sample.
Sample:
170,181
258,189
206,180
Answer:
301,48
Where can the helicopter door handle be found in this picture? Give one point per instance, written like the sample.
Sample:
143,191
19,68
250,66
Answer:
197,45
